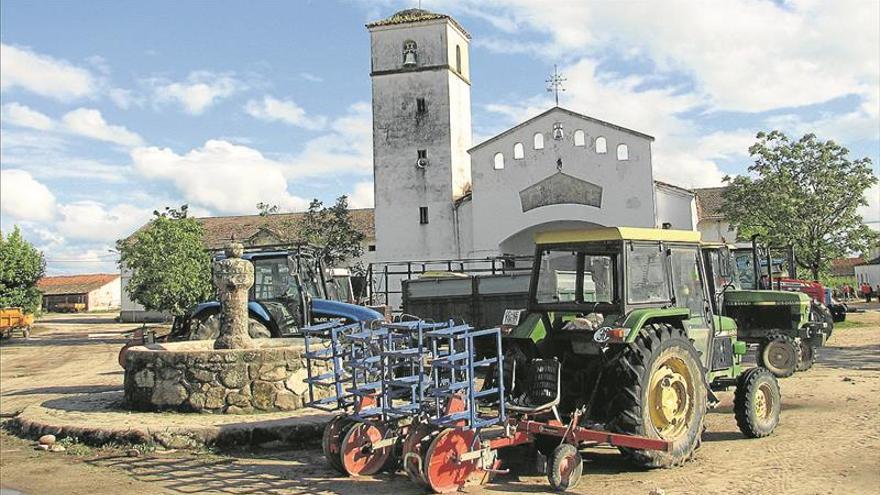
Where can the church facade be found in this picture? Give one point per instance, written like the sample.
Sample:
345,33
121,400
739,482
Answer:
439,196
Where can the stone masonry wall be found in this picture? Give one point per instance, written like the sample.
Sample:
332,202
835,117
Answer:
194,377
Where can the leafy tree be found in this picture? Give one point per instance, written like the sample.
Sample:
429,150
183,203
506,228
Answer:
266,209
21,265
806,193
332,229
171,270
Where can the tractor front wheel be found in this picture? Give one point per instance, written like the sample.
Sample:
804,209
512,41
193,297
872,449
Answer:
780,354
660,393
757,402
808,355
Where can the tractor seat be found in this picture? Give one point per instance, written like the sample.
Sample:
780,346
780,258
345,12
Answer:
542,391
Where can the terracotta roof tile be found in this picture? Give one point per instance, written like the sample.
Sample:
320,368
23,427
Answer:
75,284
415,15
709,201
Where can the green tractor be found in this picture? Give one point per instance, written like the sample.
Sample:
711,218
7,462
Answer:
787,326
628,313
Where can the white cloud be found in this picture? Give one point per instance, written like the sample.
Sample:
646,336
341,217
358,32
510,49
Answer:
24,198
93,221
308,76
90,123
124,98
274,110
744,55
871,212
222,176
43,75
362,196
200,90
23,116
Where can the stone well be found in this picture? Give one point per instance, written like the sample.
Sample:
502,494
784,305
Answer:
193,376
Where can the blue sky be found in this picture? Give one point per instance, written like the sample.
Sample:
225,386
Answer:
111,109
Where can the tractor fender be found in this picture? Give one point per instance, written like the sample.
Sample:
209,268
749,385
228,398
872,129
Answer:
254,309
638,318
326,308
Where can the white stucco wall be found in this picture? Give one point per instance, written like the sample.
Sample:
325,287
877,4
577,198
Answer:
868,273
675,206
716,230
106,297
399,131
627,186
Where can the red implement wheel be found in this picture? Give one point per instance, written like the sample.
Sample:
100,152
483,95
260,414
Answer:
564,467
416,443
331,441
359,458
444,471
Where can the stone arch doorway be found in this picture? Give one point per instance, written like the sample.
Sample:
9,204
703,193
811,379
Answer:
522,243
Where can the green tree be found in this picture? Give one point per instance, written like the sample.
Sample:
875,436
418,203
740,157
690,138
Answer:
333,230
170,268
806,193
21,265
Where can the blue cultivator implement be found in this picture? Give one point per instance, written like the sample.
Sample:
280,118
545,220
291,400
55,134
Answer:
415,395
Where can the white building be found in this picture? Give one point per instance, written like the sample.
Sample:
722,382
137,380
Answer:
438,197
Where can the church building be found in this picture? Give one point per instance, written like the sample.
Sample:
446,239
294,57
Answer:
440,196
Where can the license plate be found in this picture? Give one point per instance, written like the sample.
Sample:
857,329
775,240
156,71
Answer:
511,317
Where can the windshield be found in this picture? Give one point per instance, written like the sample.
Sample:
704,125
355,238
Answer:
568,275
272,278
310,275
646,274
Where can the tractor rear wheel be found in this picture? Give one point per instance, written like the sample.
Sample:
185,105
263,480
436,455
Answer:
819,313
660,393
808,355
780,354
757,402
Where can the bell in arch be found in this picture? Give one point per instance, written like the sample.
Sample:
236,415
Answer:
409,57
558,133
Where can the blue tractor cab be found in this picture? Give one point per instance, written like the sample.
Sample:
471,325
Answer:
290,291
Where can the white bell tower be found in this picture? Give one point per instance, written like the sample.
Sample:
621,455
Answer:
421,133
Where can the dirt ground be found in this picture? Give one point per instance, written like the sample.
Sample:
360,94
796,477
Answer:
828,440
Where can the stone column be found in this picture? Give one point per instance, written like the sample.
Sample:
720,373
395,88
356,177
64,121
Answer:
233,277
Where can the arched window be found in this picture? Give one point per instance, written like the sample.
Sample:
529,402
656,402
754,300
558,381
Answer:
518,152
458,58
579,138
601,145
410,55
622,152
499,161
539,141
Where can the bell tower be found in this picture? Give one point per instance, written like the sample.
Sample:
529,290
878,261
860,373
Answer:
421,133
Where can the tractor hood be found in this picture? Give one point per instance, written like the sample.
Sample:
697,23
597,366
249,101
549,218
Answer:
765,298
335,309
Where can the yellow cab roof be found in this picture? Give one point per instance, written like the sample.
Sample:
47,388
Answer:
616,234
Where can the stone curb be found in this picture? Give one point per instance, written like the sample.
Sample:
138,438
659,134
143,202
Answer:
293,431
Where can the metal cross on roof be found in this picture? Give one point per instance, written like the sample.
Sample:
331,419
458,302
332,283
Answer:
554,83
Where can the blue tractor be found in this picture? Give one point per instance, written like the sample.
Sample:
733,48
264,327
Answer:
291,290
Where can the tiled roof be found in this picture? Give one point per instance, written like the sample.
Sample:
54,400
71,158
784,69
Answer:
709,201
415,15
844,267
75,284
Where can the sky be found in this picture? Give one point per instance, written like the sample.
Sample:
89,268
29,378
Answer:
112,109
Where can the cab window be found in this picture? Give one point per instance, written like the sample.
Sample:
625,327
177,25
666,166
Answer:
686,279
565,272
271,278
646,274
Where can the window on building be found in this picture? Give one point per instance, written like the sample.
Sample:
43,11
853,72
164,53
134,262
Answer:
458,58
622,152
421,105
601,145
539,141
518,151
579,138
423,154
423,215
410,55
371,248
499,161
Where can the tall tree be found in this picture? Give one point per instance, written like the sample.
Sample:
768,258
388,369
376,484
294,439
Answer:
21,265
333,230
170,268
805,192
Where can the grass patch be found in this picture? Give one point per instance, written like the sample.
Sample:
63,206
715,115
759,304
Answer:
72,446
850,324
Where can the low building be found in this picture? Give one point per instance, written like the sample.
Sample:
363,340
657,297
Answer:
711,221
75,293
868,272
845,267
